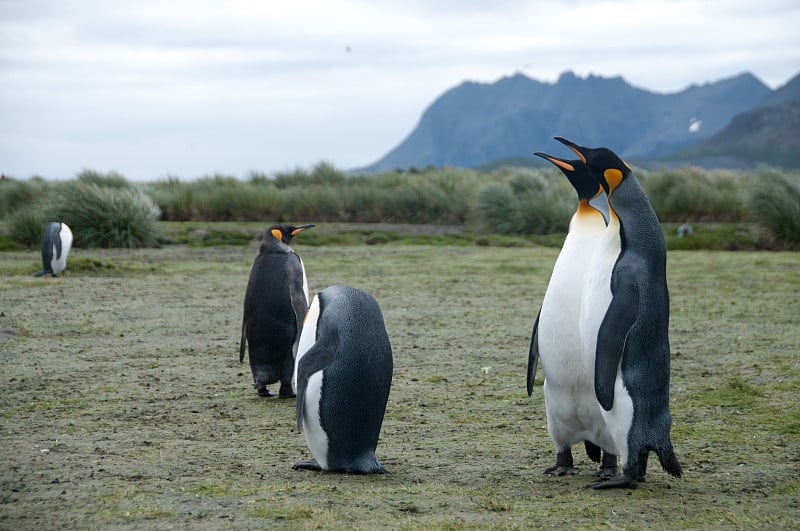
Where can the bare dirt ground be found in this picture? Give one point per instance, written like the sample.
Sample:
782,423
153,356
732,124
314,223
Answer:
123,403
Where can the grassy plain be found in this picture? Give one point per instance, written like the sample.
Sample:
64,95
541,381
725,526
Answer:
123,403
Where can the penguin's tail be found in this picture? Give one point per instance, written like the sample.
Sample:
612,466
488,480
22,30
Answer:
670,464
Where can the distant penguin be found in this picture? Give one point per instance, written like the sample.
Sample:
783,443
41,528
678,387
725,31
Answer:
56,244
275,305
629,307
343,376
570,403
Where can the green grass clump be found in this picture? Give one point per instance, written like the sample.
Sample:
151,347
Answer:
16,194
526,203
107,216
27,226
775,202
692,194
111,179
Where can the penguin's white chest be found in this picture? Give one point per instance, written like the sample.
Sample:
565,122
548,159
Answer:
308,336
560,344
316,438
59,263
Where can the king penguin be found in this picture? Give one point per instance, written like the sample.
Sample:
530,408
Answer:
628,305
56,244
343,375
572,413
275,305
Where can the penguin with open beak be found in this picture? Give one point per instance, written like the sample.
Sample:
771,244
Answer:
570,403
627,304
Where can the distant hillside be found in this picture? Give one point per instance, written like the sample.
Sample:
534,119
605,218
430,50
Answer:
475,124
766,135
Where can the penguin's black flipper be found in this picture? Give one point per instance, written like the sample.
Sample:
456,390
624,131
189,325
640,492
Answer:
315,359
243,340
533,354
620,317
57,239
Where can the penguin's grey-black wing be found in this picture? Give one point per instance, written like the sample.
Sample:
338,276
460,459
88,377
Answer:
57,239
533,354
620,317
50,237
315,359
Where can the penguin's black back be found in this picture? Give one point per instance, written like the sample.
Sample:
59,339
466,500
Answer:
270,318
641,269
357,381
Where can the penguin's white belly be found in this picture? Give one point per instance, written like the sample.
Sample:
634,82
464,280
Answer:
59,264
560,344
620,418
308,336
596,301
570,401
316,438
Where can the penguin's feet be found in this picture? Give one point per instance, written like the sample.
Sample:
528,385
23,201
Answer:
617,482
608,468
563,466
263,391
559,470
286,391
309,464
606,472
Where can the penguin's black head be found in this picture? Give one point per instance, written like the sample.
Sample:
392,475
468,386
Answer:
285,233
578,173
604,163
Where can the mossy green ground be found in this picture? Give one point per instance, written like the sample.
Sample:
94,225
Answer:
123,403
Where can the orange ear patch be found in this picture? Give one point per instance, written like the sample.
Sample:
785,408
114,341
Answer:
613,178
277,234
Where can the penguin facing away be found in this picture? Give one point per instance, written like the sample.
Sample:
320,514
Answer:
570,403
56,244
275,304
343,377
628,304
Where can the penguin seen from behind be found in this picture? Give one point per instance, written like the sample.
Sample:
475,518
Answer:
343,376
629,306
275,304
56,244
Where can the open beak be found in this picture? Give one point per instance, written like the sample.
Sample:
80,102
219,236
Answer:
573,146
563,164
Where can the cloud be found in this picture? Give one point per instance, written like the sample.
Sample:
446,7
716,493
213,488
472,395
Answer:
151,87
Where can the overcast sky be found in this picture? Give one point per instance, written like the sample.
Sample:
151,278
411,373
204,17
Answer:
191,88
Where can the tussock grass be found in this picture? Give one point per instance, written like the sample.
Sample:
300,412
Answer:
107,216
775,202
512,201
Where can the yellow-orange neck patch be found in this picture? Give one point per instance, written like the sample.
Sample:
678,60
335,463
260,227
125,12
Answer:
613,178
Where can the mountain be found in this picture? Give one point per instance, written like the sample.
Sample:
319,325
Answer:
768,135
475,124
